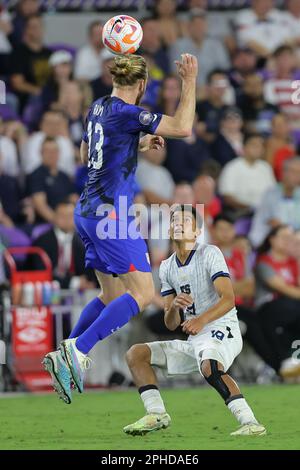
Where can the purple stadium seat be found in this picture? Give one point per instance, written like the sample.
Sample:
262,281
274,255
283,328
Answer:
242,226
14,236
64,47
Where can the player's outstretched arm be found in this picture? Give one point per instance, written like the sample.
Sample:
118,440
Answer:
181,124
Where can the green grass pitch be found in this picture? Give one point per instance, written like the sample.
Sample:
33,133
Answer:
200,420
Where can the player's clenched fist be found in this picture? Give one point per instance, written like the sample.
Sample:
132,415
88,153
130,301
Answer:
188,67
182,301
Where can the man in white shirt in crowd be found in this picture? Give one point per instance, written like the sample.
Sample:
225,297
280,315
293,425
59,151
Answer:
54,124
244,180
88,61
262,28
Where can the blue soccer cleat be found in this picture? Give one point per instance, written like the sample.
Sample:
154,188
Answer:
61,378
76,361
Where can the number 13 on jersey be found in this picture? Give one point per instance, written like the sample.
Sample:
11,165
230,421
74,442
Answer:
95,154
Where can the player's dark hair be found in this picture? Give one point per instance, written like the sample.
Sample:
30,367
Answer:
128,69
266,245
188,208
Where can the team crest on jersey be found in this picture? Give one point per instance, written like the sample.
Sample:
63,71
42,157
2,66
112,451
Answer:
146,118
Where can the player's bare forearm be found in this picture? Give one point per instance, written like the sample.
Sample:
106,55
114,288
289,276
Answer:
172,318
185,113
222,307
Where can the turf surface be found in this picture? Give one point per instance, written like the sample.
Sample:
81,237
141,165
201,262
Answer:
199,421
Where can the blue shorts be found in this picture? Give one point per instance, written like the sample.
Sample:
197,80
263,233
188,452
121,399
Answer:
111,255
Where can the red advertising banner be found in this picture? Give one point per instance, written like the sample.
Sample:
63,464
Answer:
32,331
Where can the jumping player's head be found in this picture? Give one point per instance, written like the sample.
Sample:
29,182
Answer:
185,225
130,74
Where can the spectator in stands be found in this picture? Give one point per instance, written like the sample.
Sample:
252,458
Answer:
279,146
293,21
278,297
10,196
219,26
64,248
204,188
8,154
243,64
61,73
47,185
88,62
54,124
256,111
152,45
102,86
171,28
261,28
5,45
244,180
209,110
228,144
169,95
25,9
72,103
279,205
30,67
183,193
279,88
155,181
201,45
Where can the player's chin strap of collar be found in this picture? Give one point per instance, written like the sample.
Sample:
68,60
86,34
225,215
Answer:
215,379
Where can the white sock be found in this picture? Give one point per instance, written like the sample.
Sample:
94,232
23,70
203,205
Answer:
242,411
153,402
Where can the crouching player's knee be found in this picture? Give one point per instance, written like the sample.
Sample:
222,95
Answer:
138,354
214,374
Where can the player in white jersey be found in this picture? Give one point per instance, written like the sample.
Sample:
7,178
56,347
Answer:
196,282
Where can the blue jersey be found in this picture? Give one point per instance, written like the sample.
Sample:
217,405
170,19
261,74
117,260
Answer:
112,134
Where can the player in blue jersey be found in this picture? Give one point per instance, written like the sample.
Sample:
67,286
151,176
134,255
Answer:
114,247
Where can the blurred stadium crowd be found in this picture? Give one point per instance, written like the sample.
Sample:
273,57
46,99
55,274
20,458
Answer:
241,161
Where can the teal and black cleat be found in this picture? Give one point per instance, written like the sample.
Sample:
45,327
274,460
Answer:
54,363
76,361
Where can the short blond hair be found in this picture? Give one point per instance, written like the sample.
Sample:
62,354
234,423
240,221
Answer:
128,69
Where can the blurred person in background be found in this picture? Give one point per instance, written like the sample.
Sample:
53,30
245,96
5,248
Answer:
30,67
204,187
47,185
103,85
24,9
183,193
280,204
155,181
65,249
279,146
219,26
256,111
262,28
54,124
243,64
88,61
169,95
10,196
209,110
244,180
8,153
228,144
278,297
293,21
152,45
5,45
278,89
171,27
201,45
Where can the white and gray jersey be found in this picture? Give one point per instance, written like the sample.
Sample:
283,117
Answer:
196,277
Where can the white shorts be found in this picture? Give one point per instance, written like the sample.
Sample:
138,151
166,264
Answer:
220,342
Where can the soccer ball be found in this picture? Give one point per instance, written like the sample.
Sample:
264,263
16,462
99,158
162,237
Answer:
122,34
